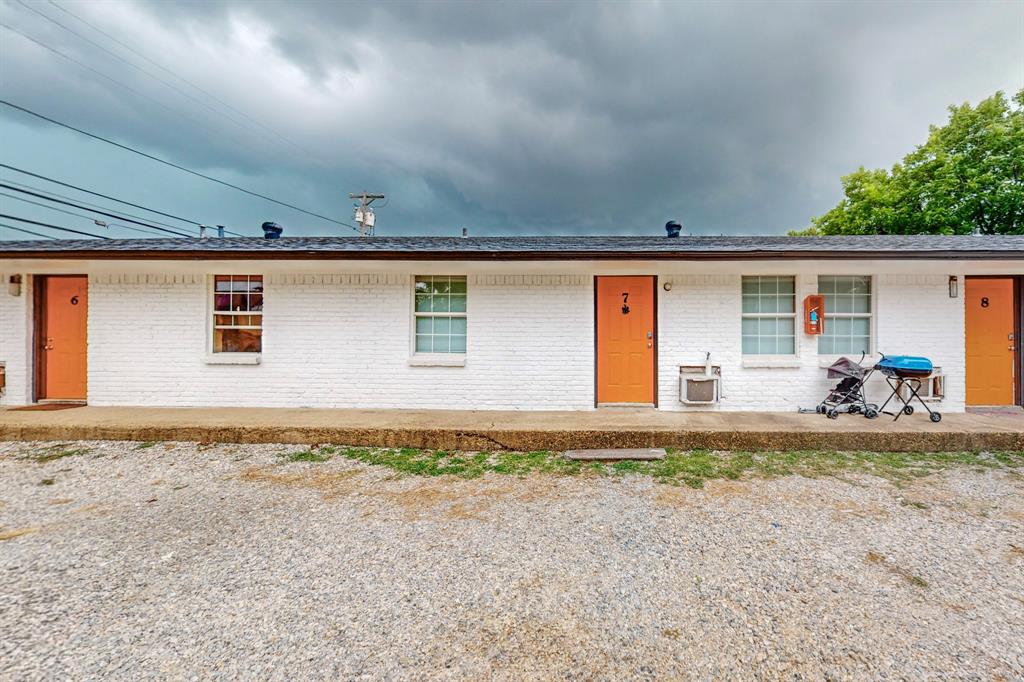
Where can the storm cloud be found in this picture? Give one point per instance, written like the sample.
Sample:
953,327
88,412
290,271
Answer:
515,118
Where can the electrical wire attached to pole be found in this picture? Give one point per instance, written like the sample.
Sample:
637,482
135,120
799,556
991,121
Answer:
151,157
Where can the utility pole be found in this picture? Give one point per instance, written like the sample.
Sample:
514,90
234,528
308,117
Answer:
364,214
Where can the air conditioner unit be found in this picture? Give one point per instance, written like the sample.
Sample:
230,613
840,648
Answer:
933,388
698,385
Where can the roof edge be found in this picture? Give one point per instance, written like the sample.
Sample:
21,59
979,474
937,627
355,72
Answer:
97,254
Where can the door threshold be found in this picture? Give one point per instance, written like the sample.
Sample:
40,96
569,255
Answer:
993,409
628,405
49,405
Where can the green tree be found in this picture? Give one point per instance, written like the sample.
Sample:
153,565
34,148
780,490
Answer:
967,178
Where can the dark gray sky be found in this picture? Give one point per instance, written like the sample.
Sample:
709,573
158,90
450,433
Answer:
516,118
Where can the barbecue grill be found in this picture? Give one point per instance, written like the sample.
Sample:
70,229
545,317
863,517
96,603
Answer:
906,371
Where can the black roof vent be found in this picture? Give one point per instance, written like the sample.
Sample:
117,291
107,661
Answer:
272,230
672,229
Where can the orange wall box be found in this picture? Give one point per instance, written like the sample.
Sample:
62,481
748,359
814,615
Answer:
814,314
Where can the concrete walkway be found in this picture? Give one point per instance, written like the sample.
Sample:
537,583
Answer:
512,430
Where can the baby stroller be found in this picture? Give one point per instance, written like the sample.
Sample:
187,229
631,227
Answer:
848,395
906,372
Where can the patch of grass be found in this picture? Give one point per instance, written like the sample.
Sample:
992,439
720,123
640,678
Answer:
54,454
307,456
47,481
147,444
691,468
915,580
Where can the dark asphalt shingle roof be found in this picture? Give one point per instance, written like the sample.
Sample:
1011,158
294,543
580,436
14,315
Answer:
498,248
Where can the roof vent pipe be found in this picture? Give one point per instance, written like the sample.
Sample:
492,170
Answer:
672,229
220,231
202,231
272,230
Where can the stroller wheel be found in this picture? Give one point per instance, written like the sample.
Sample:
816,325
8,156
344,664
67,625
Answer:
936,417
871,413
908,410
832,414
820,409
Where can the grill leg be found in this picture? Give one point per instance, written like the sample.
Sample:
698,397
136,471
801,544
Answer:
914,387
895,384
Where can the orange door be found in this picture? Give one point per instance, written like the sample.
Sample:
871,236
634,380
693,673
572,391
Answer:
625,340
990,341
63,350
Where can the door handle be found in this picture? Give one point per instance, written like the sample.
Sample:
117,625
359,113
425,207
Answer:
49,344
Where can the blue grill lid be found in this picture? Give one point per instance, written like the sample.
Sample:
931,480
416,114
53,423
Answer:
906,363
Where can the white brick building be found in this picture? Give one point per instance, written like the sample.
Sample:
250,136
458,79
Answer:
504,323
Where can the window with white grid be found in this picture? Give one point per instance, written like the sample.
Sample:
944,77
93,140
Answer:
440,313
769,315
237,313
847,326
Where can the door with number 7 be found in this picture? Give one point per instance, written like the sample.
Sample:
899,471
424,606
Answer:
626,343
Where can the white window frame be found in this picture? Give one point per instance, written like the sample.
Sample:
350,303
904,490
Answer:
231,357
419,358
754,360
871,316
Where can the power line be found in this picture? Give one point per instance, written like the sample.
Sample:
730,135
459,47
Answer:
129,63
105,196
35,234
53,227
96,221
126,87
92,210
89,191
113,80
173,165
95,71
51,193
180,78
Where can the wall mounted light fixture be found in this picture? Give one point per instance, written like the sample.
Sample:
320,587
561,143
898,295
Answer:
14,285
954,287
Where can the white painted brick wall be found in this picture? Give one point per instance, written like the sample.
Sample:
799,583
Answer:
343,341
15,340
914,315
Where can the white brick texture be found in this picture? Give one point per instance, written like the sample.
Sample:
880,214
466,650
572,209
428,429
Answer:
913,315
15,340
344,340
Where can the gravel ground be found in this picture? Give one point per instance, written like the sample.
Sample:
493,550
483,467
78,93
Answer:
188,561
